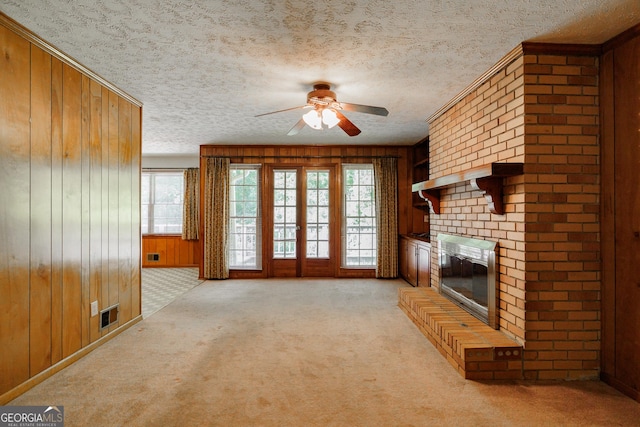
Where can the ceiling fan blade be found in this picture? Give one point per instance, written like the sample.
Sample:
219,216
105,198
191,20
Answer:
346,125
296,128
282,111
368,109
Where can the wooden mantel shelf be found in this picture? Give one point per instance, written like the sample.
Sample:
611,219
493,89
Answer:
486,178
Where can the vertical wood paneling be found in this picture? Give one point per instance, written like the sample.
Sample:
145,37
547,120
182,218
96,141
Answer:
85,220
180,249
71,211
40,287
136,242
95,205
14,209
161,249
124,210
620,203
148,246
56,210
607,217
627,211
114,145
69,170
171,250
186,253
105,194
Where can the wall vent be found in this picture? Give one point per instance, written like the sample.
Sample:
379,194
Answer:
109,316
153,257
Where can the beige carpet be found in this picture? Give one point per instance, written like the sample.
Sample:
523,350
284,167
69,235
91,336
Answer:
300,353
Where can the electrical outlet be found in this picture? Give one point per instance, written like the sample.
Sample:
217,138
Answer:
94,308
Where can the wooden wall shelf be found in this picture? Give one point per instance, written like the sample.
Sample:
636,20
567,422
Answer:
486,178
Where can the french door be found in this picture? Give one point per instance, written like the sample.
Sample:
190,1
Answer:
302,218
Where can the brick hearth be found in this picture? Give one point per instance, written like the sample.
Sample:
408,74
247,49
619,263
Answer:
476,350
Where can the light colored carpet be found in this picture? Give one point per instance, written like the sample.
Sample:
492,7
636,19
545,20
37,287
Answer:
311,352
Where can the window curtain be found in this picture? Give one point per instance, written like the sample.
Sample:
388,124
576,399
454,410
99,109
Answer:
216,218
190,207
385,171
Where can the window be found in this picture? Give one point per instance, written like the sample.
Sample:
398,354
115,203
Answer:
244,217
162,202
359,216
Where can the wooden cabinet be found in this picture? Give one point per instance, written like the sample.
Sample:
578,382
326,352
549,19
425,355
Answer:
415,261
424,264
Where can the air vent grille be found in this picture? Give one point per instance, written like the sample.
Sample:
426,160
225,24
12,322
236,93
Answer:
109,316
153,257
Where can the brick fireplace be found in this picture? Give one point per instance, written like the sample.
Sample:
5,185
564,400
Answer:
538,106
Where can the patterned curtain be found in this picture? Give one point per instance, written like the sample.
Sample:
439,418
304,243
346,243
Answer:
216,218
385,171
190,208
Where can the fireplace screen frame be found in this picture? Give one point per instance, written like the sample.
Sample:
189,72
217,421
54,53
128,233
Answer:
474,253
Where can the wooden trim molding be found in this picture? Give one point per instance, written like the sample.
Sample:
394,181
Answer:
619,385
536,48
506,60
621,38
522,49
54,51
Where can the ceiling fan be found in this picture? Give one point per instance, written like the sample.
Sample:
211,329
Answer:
326,113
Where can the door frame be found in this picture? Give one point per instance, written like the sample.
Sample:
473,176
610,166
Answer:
302,266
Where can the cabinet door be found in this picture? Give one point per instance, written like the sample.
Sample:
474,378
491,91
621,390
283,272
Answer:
424,266
412,263
627,221
402,258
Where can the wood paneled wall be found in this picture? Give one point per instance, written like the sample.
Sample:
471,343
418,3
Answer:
620,226
172,251
314,155
70,215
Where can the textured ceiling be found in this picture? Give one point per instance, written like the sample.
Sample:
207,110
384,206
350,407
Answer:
204,69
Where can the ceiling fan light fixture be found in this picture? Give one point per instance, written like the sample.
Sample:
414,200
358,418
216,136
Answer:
326,112
313,119
329,117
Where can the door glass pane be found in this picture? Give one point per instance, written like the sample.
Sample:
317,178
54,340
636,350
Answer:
318,214
284,214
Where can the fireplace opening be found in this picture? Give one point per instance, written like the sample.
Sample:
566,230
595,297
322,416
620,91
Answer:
467,275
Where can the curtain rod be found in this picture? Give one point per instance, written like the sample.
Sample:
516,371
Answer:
302,157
